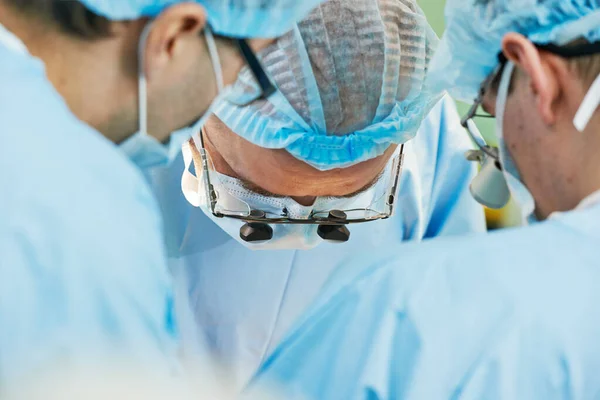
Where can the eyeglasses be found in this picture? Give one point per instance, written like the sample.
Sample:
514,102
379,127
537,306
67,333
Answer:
485,150
264,83
378,201
263,88
256,86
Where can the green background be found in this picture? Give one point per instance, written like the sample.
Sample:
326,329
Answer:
434,9
435,14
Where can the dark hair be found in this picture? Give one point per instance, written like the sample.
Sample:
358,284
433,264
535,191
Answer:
587,67
70,16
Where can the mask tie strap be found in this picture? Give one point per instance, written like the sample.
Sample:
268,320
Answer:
588,107
189,182
142,81
216,64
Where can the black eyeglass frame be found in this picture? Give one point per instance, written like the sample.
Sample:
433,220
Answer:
265,84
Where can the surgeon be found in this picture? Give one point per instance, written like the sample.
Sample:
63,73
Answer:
353,154
510,315
89,92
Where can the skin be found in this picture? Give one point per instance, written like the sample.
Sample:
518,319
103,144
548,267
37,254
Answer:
99,78
287,176
181,86
557,163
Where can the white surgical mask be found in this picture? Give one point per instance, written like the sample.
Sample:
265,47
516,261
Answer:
521,195
234,196
142,148
285,236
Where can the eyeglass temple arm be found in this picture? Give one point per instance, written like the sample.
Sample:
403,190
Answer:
204,157
465,122
469,125
398,172
261,77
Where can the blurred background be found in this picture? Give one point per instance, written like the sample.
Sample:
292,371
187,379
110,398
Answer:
434,9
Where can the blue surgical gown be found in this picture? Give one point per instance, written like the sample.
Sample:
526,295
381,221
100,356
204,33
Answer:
83,271
512,315
242,302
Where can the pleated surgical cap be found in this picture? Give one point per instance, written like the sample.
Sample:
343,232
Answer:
351,84
233,18
475,28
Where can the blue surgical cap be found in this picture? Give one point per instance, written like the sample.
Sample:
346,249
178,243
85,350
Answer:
475,28
350,81
234,18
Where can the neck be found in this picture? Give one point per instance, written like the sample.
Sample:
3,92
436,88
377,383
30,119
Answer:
78,70
589,175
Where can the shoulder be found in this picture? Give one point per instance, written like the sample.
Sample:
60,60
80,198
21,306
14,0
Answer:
523,300
441,120
439,146
544,254
529,272
444,112
81,249
67,193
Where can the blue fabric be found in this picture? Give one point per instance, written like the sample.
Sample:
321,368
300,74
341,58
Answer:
82,263
235,18
510,315
474,30
242,301
348,91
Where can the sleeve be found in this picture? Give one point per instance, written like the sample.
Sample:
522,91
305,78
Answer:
530,365
452,209
66,298
83,271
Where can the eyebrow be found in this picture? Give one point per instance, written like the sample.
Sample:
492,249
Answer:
263,192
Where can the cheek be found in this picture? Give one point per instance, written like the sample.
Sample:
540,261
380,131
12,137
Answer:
515,135
512,130
232,64
524,147
194,95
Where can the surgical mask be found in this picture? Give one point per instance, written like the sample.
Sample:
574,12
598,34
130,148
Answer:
521,195
142,148
233,195
285,236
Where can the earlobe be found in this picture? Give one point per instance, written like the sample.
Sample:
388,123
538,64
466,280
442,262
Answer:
542,83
